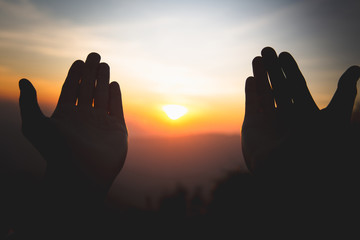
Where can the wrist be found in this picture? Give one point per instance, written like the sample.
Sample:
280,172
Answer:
73,188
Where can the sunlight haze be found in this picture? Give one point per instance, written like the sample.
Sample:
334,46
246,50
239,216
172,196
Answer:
195,53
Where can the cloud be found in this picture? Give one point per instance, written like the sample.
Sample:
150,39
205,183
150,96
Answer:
197,53
167,52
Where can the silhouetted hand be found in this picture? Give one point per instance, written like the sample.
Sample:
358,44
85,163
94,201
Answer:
294,137
85,140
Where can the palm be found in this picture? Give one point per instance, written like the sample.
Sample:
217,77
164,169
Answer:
80,142
98,143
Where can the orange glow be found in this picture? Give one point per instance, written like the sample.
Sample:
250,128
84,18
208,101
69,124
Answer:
150,120
144,117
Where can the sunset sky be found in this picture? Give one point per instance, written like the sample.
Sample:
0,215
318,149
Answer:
195,54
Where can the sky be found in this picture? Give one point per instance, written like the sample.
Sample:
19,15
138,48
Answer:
192,53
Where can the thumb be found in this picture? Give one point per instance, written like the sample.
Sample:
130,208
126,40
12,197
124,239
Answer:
342,103
29,107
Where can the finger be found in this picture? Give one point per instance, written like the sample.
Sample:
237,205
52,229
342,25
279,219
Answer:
87,85
115,102
263,88
101,97
70,88
342,103
277,78
252,104
299,90
29,107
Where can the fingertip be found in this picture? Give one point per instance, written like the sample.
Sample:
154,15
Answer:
104,68
285,56
287,60
259,68
93,56
115,104
77,67
257,60
25,84
343,100
250,85
267,51
104,65
78,63
28,100
115,91
251,96
103,75
350,77
22,82
269,56
354,71
114,86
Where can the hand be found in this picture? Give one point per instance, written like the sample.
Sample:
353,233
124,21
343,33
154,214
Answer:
85,140
294,137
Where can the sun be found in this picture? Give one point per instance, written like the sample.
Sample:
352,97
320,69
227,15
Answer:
174,111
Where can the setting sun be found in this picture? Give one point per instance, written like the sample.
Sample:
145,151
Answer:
175,111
